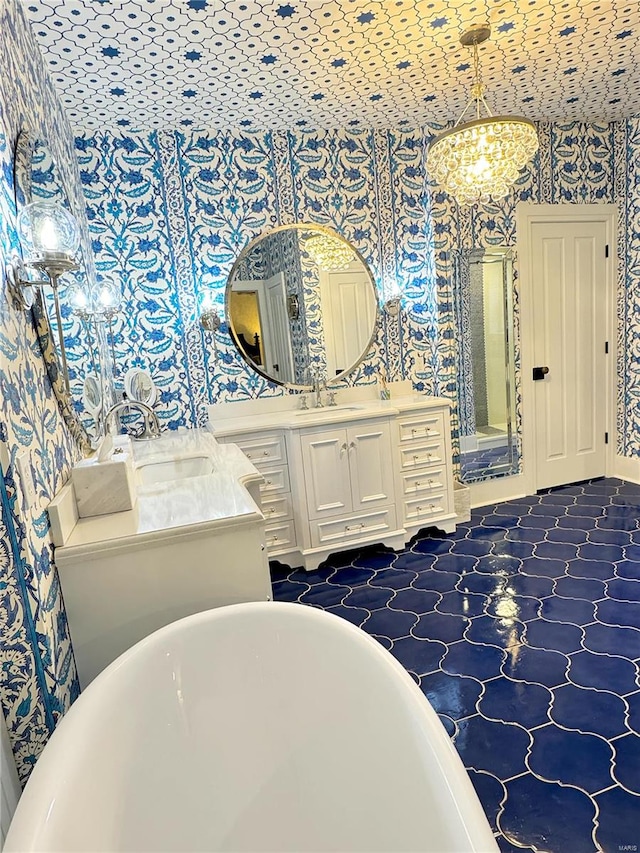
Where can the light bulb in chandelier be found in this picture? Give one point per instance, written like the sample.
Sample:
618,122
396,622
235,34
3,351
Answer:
482,158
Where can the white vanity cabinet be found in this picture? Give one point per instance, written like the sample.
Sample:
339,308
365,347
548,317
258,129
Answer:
424,465
373,472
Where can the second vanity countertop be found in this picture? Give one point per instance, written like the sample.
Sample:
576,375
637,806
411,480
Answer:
174,507
354,404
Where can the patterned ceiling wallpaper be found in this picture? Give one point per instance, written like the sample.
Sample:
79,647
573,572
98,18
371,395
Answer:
334,63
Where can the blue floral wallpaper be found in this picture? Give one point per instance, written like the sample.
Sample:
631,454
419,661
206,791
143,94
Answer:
38,678
169,212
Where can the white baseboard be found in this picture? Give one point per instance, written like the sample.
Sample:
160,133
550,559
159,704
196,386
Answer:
626,468
498,490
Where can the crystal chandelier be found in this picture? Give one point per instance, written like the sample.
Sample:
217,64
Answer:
481,158
328,252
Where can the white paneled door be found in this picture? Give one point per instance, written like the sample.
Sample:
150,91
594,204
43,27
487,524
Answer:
567,266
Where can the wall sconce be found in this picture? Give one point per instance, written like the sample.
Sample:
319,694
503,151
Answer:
49,237
393,306
210,319
101,303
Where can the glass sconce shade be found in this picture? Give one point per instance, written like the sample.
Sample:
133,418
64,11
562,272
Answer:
47,229
79,299
107,296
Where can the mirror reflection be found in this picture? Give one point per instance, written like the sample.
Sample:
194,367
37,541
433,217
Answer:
301,300
483,297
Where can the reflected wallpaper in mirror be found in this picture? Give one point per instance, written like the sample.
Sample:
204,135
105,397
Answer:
483,295
301,301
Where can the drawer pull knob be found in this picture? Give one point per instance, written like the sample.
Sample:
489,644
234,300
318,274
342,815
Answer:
272,541
265,453
349,527
272,510
267,483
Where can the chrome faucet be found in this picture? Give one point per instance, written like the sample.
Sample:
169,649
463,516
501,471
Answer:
319,385
151,423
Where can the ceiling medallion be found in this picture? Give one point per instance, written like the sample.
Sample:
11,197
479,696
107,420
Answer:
480,159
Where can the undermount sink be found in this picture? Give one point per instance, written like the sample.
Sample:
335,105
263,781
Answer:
162,470
327,410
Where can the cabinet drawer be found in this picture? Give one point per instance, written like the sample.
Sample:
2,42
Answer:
431,427
280,537
275,506
275,480
428,507
262,450
355,527
431,453
431,481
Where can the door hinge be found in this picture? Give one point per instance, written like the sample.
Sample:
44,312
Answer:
606,251
606,438
606,347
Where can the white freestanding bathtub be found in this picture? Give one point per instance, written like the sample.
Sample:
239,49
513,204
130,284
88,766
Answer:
252,727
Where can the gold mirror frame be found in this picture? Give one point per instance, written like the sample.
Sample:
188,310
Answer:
294,312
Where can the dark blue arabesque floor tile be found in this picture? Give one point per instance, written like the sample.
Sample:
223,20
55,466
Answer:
285,590
472,548
623,613
374,559
628,570
481,662
499,564
368,597
593,551
351,576
547,816
627,762
536,666
571,758
514,607
414,562
481,584
390,623
566,536
440,626
544,567
609,640
591,711
624,590
618,821
461,604
536,587
490,792
571,610
355,615
436,581
555,551
557,636
514,549
453,695
515,702
587,588
529,535
416,601
449,725
598,569
503,633
392,579
498,748
603,672
419,656
324,595
540,522
609,537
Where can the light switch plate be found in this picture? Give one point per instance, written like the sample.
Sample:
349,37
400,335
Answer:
23,467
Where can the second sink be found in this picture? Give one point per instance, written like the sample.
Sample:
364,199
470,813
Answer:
161,470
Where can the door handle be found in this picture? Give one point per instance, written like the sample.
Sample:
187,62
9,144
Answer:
539,373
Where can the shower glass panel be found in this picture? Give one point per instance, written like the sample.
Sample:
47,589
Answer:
483,299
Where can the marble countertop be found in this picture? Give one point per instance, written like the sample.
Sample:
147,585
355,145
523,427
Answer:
174,507
266,414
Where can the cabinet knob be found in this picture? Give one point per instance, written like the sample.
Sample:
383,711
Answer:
265,453
267,483
343,447
353,445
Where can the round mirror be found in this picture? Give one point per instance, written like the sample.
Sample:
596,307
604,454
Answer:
139,386
37,178
300,301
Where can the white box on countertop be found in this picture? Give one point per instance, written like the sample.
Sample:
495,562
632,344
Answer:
105,487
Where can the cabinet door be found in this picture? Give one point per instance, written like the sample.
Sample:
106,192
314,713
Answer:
326,472
369,447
